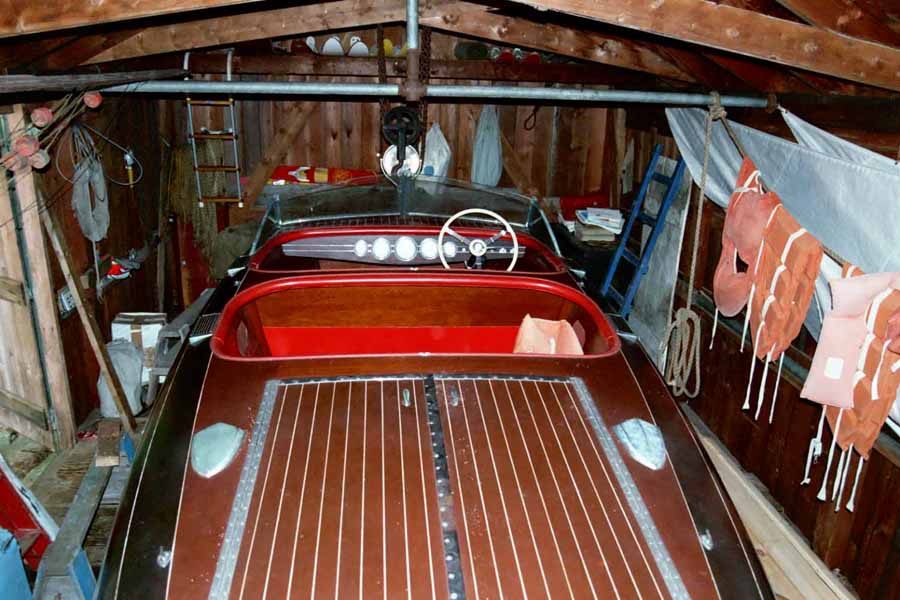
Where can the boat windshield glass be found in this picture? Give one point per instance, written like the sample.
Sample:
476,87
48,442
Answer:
374,197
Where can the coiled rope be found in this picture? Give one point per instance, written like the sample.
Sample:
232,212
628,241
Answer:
682,337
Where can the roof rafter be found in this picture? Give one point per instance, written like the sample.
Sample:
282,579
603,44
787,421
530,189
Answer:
844,17
456,17
476,20
745,32
17,18
225,30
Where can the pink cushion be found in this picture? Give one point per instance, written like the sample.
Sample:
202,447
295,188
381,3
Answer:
540,336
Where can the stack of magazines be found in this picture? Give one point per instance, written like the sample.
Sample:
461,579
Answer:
598,224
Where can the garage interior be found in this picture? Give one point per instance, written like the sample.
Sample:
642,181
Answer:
191,115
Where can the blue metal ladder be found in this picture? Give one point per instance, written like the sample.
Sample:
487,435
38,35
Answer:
657,222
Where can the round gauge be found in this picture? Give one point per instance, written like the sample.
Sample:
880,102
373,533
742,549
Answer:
381,248
428,248
360,248
405,248
449,249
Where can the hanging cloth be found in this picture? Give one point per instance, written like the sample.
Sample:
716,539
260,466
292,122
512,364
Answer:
487,153
90,200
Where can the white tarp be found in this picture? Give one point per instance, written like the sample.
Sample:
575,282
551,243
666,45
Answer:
846,196
651,311
852,208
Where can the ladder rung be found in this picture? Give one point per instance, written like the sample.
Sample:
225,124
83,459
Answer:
228,102
219,199
647,219
662,178
631,257
214,136
612,293
217,168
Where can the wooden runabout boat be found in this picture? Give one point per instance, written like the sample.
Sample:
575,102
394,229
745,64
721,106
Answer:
357,424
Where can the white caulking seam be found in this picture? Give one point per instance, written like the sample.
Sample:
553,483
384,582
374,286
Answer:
562,499
512,464
581,501
512,539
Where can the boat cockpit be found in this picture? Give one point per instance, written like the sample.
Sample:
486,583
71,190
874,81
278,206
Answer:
431,225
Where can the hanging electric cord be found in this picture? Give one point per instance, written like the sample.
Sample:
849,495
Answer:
81,146
682,337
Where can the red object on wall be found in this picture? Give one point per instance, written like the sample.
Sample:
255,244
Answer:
569,204
194,271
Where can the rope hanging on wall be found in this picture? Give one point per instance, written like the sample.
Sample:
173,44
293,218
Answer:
682,337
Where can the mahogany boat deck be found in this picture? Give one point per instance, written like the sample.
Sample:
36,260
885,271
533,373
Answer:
403,487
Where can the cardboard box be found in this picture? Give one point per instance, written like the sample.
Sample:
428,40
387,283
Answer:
142,329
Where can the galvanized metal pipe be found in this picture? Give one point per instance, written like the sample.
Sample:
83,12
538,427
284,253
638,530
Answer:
412,24
588,95
260,88
296,88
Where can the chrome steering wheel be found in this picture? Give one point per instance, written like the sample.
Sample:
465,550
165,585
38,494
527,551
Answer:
478,247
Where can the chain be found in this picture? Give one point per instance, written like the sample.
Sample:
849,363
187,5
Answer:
382,73
424,73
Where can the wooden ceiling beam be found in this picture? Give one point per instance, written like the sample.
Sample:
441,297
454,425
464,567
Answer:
227,30
745,32
457,17
844,17
18,17
475,20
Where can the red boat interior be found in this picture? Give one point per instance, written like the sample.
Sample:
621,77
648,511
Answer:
271,258
382,314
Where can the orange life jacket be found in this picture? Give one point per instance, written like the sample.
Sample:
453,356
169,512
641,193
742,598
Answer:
745,219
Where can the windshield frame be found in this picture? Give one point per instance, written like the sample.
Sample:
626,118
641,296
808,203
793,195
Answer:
275,221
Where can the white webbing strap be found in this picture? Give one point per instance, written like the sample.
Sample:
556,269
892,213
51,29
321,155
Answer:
838,475
837,429
787,247
878,372
851,503
746,405
762,386
840,495
712,337
775,393
815,448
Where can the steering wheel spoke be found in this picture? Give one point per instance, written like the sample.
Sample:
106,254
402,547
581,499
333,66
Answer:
459,238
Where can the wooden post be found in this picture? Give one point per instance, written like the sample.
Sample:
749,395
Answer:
294,122
38,352
89,322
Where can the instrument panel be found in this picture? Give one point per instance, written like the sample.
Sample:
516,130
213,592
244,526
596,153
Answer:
392,249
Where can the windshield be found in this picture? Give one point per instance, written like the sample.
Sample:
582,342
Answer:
377,196
426,196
